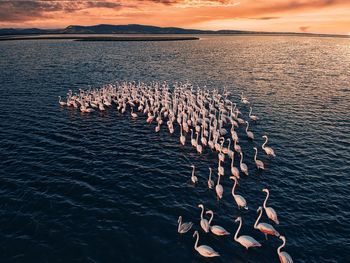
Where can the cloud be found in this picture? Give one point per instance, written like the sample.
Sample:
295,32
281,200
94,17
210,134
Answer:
23,10
266,17
304,28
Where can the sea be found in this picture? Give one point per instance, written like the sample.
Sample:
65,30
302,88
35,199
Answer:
103,187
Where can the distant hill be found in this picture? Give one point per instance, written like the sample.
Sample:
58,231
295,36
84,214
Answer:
136,29
114,29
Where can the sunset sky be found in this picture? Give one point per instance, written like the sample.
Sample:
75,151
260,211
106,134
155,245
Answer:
318,16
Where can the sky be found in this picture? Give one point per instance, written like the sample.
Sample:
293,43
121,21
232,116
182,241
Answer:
314,16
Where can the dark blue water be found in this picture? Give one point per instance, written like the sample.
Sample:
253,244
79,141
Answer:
105,188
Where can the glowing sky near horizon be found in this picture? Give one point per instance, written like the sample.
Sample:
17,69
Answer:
317,16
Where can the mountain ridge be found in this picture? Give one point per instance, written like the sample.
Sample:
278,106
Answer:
135,29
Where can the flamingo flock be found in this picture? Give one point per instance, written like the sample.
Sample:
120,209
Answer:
210,119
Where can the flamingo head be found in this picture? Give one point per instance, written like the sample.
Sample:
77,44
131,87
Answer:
255,148
209,212
282,238
264,136
265,190
179,220
233,178
210,169
195,233
259,209
238,219
192,166
201,206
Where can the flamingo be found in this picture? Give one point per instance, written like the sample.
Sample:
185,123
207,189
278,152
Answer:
265,228
252,117
133,114
182,137
194,178
183,227
218,188
243,166
246,241
210,181
249,133
204,250
259,164
62,103
237,147
240,200
216,230
204,222
284,256
193,141
221,170
234,170
268,150
199,147
270,212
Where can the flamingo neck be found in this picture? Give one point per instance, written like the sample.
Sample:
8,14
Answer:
202,212
211,218
218,179
191,134
239,228
250,112
210,175
257,220
267,197
181,129
280,247
196,244
197,137
241,158
234,188
256,153
180,223
266,139
229,144
246,129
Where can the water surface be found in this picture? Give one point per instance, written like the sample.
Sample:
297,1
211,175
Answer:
105,188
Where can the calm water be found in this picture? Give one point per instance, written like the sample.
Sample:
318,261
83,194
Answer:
105,188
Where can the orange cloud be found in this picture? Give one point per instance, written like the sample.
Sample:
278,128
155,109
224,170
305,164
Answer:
272,15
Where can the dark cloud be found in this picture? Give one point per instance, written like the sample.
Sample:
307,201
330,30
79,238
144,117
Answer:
266,17
24,10
304,28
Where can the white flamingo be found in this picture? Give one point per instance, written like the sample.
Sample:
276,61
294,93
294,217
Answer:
210,181
270,212
284,256
243,166
265,228
182,137
203,222
194,178
204,250
183,227
246,241
216,230
259,164
240,200
252,117
249,133
268,150
234,169
218,188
